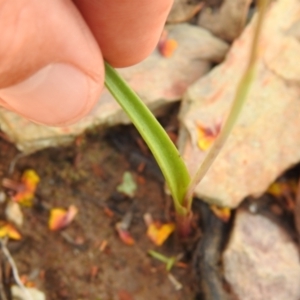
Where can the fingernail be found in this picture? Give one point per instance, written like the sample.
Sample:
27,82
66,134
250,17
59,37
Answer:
56,95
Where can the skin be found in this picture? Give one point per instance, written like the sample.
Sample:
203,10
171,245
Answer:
78,34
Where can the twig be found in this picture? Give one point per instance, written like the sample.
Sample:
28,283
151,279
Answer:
14,269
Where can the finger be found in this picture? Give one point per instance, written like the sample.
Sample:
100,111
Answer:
126,30
51,68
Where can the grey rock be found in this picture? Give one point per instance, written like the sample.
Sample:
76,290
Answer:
228,21
266,139
261,261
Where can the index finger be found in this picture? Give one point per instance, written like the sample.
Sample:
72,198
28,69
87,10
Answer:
127,31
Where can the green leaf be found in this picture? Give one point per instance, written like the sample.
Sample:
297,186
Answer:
128,186
162,148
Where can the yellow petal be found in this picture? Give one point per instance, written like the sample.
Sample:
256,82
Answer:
30,180
205,137
8,230
223,213
159,233
60,218
282,188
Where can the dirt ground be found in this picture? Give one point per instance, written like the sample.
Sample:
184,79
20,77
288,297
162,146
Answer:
70,264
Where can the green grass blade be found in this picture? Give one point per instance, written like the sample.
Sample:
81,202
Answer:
162,148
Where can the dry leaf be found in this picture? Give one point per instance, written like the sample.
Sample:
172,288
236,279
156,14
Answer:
158,233
60,218
8,230
223,213
124,235
14,213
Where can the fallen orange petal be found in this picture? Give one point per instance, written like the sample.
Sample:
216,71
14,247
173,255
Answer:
60,218
223,213
159,233
206,137
29,181
124,235
168,47
7,230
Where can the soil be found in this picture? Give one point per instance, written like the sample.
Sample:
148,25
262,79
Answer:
70,264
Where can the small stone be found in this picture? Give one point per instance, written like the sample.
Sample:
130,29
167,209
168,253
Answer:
228,21
261,261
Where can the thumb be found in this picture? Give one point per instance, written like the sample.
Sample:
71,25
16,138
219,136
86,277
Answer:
51,68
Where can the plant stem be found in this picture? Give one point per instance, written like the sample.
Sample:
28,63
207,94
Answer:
236,108
162,148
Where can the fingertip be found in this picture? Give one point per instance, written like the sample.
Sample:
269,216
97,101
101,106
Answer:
57,95
60,73
127,31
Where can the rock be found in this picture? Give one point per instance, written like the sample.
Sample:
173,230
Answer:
18,294
266,139
183,11
228,21
158,80
261,261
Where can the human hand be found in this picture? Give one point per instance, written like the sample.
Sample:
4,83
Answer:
51,51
